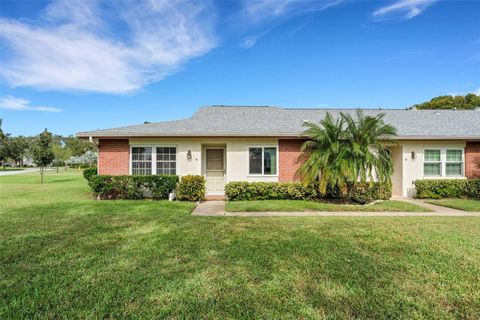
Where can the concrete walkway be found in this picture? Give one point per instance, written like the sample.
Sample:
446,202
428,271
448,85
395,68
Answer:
435,208
210,208
217,209
12,172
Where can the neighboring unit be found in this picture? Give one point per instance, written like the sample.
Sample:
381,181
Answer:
226,144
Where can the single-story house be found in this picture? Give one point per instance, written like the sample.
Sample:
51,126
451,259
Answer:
243,143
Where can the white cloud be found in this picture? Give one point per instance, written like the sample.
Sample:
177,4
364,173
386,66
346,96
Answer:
402,9
263,10
20,104
251,40
110,47
257,14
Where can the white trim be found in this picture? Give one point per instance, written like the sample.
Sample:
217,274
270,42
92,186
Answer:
153,155
262,146
284,135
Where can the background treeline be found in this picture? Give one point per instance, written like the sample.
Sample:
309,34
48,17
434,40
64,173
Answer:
47,148
469,101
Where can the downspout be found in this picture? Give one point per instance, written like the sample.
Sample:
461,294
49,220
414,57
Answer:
93,141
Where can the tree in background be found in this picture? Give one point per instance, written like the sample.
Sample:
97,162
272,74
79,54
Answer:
77,146
17,148
3,146
42,152
342,152
61,153
66,149
469,101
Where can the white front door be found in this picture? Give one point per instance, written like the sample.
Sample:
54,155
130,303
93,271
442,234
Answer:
215,170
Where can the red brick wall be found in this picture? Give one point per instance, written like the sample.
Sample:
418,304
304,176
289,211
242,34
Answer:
113,156
472,160
288,150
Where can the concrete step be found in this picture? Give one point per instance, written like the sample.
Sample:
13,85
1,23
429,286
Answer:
215,198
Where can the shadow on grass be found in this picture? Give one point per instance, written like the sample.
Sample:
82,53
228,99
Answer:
50,179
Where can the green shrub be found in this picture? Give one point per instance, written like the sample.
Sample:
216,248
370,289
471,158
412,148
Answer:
132,187
191,188
115,187
102,186
159,185
363,192
89,172
447,188
368,192
127,187
241,190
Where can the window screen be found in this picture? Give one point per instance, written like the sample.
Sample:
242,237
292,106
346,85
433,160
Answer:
167,160
432,165
454,164
141,160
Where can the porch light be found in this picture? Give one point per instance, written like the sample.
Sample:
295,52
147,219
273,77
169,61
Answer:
189,155
414,155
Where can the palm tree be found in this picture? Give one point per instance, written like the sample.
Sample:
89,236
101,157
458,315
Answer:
322,151
342,152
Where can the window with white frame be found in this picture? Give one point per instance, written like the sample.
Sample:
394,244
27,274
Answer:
454,162
141,160
147,160
262,160
443,163
166,160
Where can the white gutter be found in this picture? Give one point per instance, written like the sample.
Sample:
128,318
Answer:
271,135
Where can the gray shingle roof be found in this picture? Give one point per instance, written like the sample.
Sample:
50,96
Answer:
284,122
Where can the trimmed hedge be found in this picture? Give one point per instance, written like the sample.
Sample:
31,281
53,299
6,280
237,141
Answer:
89,172
160,185
191,188
363,193
447,188
241,190
132,187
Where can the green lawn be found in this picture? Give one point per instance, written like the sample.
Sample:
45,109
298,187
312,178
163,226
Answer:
11,169
64,255
299,205
461,204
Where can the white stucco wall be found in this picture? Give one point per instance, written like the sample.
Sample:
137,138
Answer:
236,154
237,159
413,168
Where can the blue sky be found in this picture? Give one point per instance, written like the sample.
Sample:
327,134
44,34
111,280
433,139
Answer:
71,67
